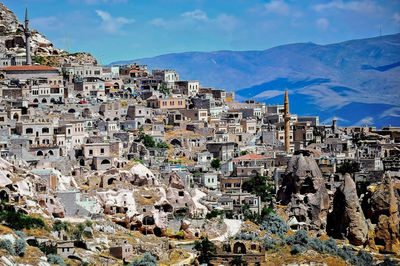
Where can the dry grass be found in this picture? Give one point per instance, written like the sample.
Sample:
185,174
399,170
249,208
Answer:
5,230
31,257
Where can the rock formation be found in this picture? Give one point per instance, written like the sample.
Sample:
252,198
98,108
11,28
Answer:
303,191
381,207
12,41
347,218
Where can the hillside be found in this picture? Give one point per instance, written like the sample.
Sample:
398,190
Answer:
12,42
355,81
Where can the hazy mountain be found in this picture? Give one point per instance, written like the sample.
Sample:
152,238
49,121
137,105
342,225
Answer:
356,81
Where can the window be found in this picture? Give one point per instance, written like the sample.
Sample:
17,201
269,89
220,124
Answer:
102,150
90,152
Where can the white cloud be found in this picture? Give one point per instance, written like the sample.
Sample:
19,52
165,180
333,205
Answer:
198,19
366,6
197,14
160,22
394,112
277,7
111,24
329,120
322,23
365,121
396,18
47,23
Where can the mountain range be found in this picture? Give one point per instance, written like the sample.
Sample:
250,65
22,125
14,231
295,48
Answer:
357,82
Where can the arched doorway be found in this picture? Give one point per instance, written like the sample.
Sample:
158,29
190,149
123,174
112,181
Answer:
239,248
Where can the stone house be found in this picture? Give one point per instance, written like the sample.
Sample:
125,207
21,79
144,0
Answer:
65,248
122,252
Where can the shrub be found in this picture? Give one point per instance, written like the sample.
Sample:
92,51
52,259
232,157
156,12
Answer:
59,226
20,247
19,221
299,238
55,259
146,260
20,234
269,243
364,258
331,246
346,253
388,262
7,245
89,223
78,231
316,244
206,249
275,225
297,249
246,236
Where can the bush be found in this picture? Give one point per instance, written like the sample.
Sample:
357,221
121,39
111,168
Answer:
388,262
20,234
269,243
19,221
55,259
7,245
78,231
331,246
146,260
299,238
346,253
20,247
59,226
316,244
246,236
297,249
275,225
88,223
364,258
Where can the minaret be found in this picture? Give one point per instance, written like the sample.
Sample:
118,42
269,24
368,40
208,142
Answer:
286,117
27,39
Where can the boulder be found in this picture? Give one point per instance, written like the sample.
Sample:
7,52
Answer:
88,232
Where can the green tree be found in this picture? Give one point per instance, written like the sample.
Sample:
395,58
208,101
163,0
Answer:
162,145
244,153
146,260
165,90
147,140
206,248
349,167
59,226
260,185
216,163
78,231
238,261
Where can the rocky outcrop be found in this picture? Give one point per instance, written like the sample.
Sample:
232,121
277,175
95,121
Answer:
12,41
347,218
303,191
381,207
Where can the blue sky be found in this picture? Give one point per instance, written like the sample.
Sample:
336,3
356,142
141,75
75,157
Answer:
128,29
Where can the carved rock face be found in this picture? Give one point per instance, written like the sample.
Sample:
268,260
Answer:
381,207
303,191
347,218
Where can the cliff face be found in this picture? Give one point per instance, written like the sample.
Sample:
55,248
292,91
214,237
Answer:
12,41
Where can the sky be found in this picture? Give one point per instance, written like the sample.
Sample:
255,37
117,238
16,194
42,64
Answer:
115,30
